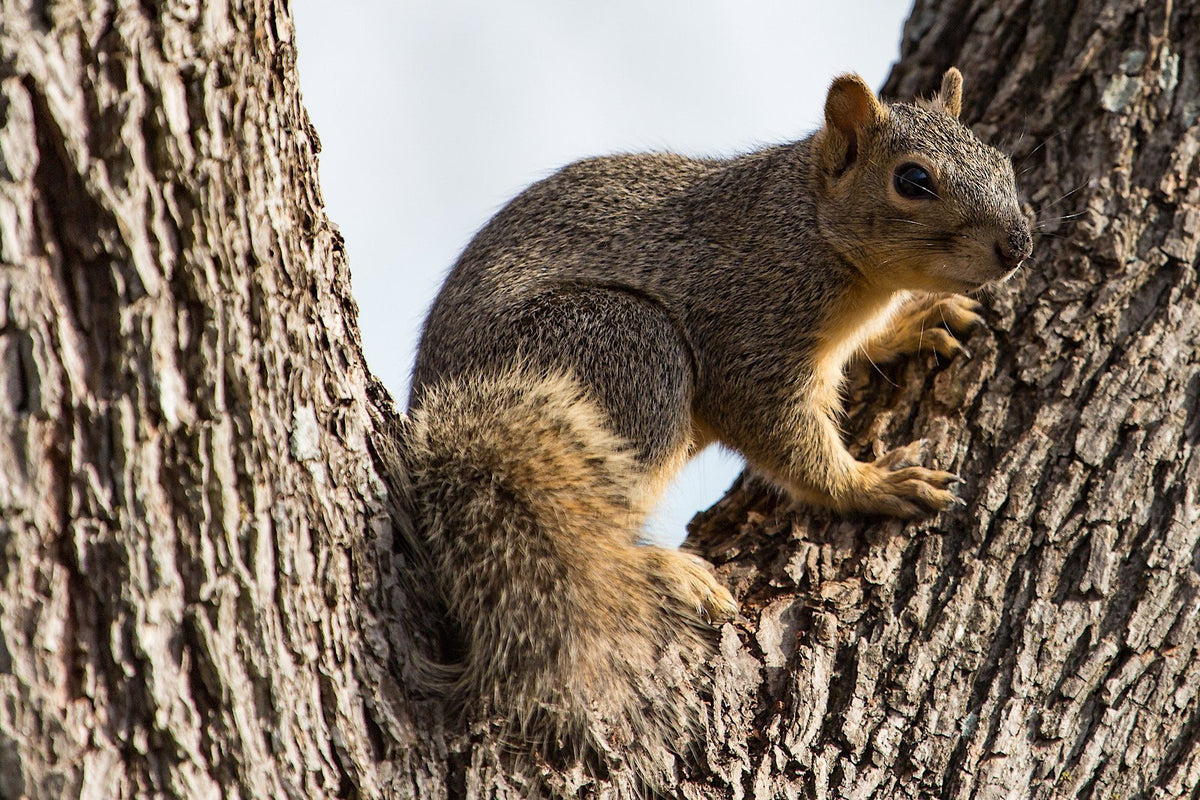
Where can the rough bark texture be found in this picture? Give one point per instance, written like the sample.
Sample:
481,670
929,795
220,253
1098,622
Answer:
1042,640
206,588
185,484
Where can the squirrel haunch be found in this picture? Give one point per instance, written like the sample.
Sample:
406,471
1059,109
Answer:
622,314
532,510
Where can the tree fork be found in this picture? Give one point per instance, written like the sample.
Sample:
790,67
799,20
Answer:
207,586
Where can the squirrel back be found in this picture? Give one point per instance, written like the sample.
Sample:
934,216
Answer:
624,313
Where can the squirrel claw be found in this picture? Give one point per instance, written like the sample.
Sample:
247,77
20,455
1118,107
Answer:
900,457
930,322
894,486
692,581
720,609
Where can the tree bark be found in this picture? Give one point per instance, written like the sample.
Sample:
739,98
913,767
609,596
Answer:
1042,640
208,586
189,506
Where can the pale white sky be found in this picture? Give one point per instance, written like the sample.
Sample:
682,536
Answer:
433,113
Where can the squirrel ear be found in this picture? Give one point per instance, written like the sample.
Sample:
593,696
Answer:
850,108
951,93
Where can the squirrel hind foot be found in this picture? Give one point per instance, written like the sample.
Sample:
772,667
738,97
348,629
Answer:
689,579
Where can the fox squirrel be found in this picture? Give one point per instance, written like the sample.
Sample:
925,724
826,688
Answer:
619,316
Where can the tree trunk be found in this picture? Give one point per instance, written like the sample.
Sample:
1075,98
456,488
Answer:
1042,640
207,587
191,515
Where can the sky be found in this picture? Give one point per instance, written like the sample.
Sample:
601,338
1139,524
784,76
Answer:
433,113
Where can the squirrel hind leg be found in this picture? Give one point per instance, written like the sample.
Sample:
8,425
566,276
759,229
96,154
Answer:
530,510
624,349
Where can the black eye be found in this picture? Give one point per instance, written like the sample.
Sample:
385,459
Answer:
913,181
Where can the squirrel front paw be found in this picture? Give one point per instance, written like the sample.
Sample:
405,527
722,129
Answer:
895,485
690,578
931,322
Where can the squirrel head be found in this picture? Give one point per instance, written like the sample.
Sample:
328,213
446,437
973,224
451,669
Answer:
910,196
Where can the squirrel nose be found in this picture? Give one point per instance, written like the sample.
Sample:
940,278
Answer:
1014,249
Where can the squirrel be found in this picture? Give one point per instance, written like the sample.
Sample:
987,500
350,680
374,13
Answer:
622,314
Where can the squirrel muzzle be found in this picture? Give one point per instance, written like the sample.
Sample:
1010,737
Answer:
1013,248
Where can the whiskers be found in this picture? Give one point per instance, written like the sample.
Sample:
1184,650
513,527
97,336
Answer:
1044,224
1019,160
908,221
988,290
1085,183
862,349
1042,221
907,252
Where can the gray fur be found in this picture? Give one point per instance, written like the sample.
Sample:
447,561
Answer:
669,302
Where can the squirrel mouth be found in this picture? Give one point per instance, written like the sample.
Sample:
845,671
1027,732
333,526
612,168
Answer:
1000,278
1007,267
969,285
1008,275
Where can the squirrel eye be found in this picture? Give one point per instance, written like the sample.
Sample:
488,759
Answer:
912,180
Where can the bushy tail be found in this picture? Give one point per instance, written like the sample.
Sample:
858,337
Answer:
530,516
